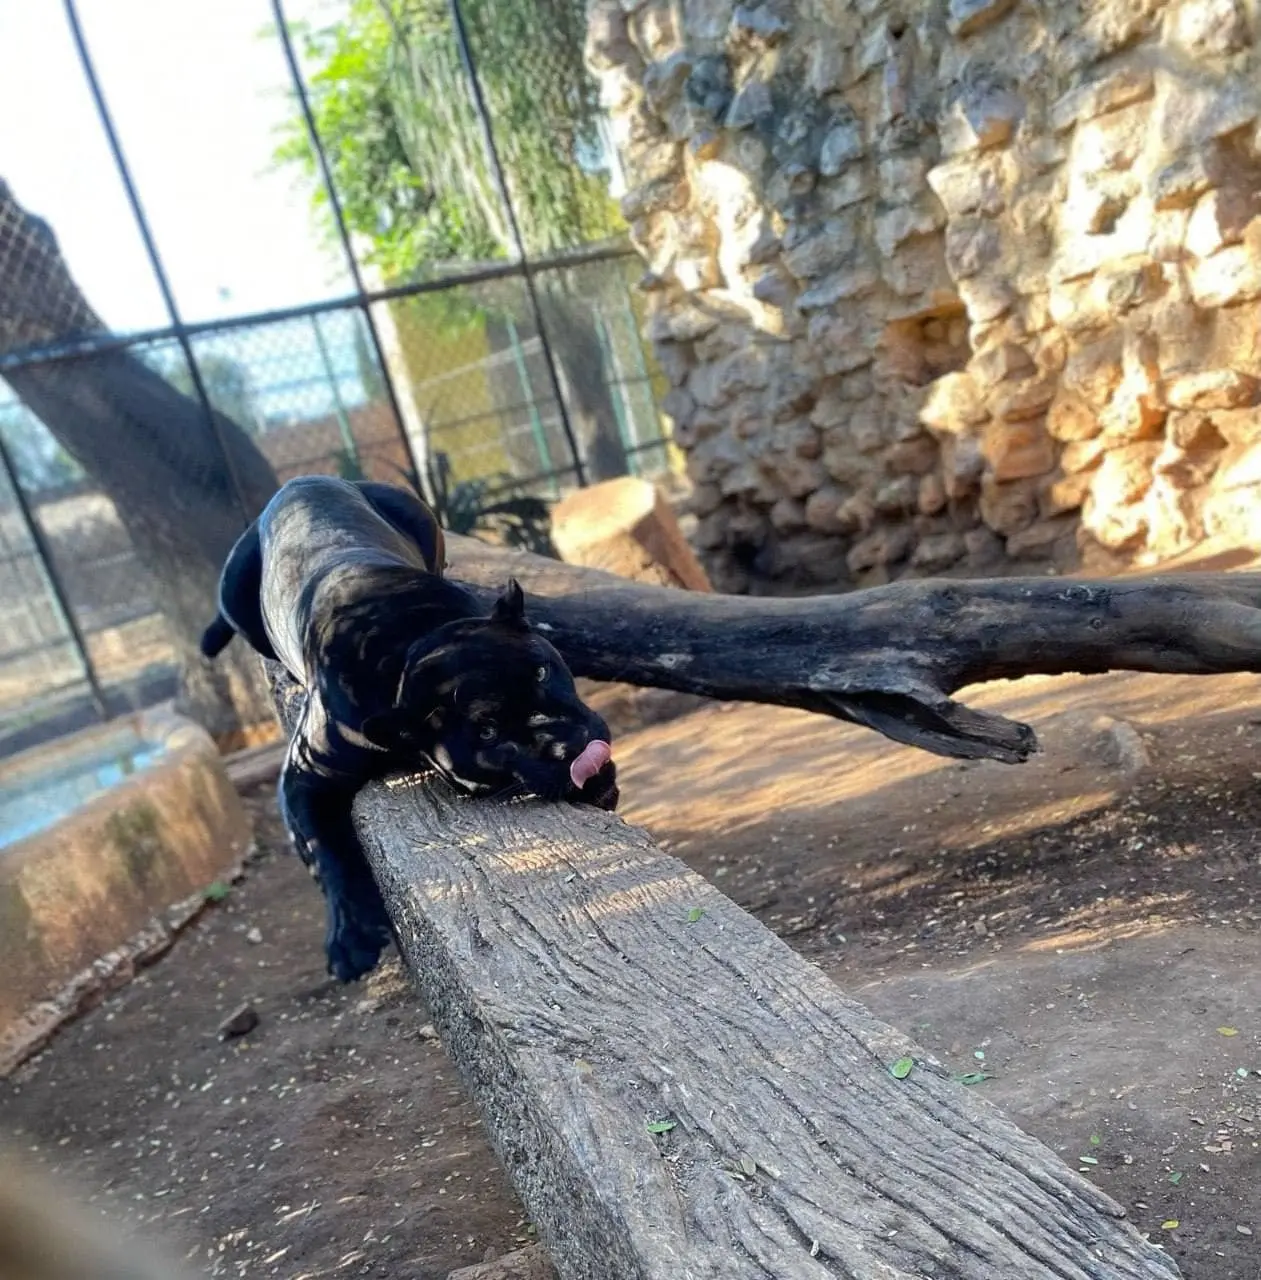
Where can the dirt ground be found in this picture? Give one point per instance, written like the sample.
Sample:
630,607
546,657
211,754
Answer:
1084,931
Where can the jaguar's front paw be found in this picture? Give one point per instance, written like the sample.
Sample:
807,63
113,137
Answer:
353,949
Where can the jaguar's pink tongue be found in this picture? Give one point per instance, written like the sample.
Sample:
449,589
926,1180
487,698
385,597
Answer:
594,757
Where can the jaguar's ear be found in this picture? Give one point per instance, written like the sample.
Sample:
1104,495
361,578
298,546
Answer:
510,607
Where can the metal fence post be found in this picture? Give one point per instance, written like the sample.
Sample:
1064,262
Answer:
155,258
514,230
343,232
49,565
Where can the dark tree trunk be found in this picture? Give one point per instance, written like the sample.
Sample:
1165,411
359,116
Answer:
155,453
589,397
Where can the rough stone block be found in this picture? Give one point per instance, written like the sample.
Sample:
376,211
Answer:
986,299
931,497
814,254
1110,143
750,106
918,275
954,403
1124,475
856,280
843,144
938,551
881,547
850,187
1082,455
984,548
916,456
1008,507
1137,408
901,176
1194,432
762,24
1179,184
1018,450
1219,219
1037,541
969,185
1212,27
1230,276
1214,389
1063,493
983,117
895,226
967,17
1118,528
973,245
896,497
826,65
1097,97
1017,402
1094,370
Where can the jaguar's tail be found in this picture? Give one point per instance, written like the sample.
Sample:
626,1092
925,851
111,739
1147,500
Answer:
216,637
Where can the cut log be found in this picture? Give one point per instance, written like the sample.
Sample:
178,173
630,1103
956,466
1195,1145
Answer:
626,527
888,657
677,1095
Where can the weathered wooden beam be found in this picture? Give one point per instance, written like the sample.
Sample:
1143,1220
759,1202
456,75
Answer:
888,657
677,1095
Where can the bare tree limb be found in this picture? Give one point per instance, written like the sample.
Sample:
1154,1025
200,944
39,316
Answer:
889,657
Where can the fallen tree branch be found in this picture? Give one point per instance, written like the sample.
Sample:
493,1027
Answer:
889,657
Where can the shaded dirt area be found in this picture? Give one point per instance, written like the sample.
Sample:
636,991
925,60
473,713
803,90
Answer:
333,1140
1084,931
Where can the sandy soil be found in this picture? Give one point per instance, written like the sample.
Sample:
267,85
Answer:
1082,930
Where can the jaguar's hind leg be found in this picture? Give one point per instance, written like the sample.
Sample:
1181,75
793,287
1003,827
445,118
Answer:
412,518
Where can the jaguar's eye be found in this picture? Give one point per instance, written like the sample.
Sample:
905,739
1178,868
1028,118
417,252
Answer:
541,675
488,733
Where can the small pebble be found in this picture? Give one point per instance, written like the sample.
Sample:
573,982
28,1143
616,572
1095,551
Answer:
239,1023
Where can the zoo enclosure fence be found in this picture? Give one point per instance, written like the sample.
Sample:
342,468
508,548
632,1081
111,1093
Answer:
463,363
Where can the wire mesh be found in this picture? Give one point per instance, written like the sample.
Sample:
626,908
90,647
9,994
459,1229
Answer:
495,369
39,301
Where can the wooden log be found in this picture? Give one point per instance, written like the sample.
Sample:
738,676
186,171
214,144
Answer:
677,1095
888,657
626,527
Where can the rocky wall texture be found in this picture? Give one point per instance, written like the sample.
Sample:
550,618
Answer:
948,283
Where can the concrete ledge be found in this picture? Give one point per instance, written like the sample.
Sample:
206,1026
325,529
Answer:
97,877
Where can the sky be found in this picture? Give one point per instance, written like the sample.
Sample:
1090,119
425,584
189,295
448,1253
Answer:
196,93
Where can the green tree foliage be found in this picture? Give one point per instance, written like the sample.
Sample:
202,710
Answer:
392,107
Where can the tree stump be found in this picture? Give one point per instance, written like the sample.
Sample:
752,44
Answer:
625,526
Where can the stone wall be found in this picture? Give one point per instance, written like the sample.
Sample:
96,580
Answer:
948,283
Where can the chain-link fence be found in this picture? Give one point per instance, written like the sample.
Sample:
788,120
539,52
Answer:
502,359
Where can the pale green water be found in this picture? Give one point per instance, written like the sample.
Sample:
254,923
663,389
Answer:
33,803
